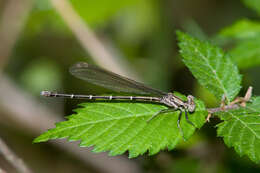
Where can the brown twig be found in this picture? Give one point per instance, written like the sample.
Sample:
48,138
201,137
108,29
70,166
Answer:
221,109
243,100
238,102
12,158
12,21
2,171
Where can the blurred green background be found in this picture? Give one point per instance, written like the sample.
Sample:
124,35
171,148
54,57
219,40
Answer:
41,39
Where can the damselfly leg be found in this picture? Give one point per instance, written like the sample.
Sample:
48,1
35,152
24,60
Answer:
163,111
187,119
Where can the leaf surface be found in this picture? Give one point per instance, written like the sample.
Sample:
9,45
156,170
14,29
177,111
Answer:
246,54
242,29
241,129
253,4
211,66
120,127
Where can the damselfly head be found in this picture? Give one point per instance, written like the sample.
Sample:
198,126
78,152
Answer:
190,104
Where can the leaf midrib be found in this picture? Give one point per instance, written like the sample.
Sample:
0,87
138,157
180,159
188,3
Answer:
214,71
238,119
101,121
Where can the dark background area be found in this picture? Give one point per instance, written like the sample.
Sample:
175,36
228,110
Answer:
40,40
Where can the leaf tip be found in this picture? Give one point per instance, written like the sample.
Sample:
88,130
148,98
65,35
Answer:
180,35
39,139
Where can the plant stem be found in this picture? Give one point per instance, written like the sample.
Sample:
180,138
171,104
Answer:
2,171
13,159
220,109
238,102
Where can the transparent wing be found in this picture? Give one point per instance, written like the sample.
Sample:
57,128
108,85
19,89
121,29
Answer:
110,80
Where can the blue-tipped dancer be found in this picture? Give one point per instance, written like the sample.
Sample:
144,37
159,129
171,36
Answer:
109,80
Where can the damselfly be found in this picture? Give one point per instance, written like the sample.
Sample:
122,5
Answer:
109,80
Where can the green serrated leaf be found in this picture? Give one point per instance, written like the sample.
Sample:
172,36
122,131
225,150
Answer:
211,66
255,106
246,53
241,129
253,4
242,29
120,127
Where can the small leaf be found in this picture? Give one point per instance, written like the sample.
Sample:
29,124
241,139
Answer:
253,4
120,127
241,129
246,53
211,66
242,29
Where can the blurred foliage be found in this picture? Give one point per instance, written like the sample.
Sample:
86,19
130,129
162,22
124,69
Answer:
44,15
193,28
44,18
40,74
242,29
133,28
246,33
246,54
142,31
186,166
253,4
95,14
